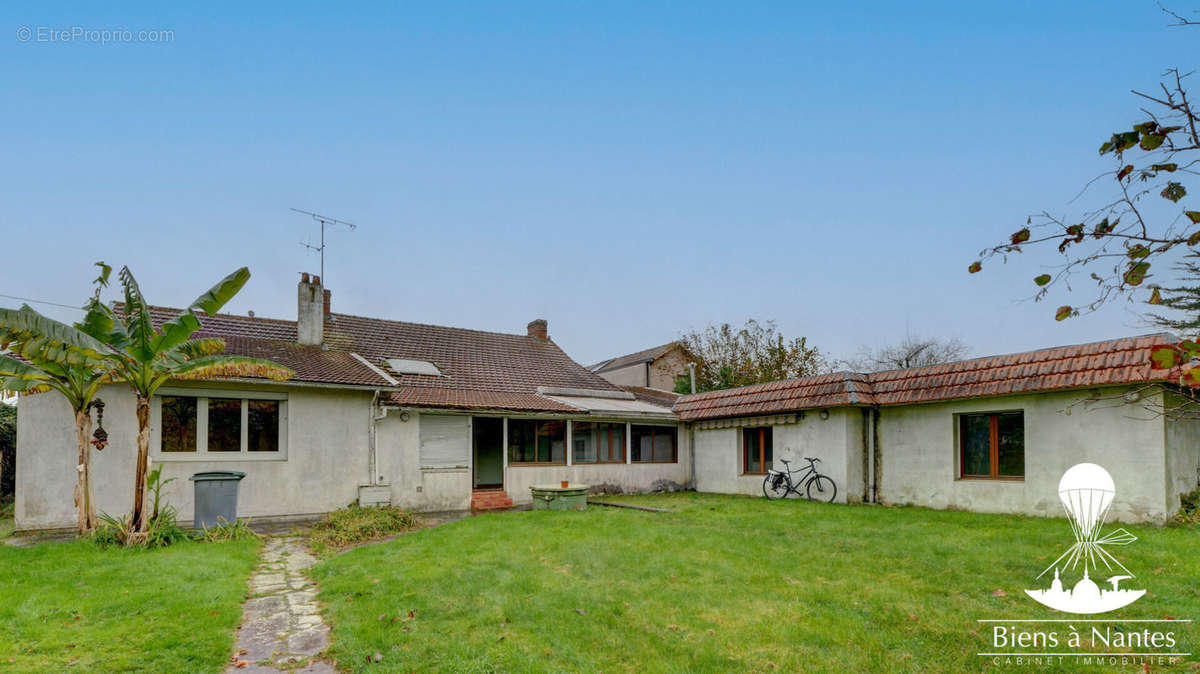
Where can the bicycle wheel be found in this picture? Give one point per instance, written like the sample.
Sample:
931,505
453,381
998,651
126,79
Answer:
821,488
775,487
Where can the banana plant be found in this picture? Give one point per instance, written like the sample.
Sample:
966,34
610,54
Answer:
57,357
148,356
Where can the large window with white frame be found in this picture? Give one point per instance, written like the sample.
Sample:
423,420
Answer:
218,425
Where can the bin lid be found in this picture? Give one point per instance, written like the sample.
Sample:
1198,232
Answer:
213,475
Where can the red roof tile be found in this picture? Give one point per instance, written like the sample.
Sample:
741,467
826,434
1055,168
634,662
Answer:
1118,361
828,390
476,366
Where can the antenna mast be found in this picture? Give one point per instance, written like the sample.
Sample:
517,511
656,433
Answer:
324,220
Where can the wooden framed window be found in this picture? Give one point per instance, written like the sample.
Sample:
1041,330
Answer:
537,441
211,425
757,451
654,444
597,442
992,446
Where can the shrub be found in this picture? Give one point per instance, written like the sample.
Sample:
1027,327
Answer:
1189,508
349,526
226,531
162,531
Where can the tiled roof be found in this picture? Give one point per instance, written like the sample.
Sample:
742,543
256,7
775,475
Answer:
311,364
1118,361
827,390
479,369
652,395
644,356
476,400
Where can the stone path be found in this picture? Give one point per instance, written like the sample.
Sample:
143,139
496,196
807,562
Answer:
282,627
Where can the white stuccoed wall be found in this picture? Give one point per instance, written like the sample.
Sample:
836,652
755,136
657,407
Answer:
631,477
1182,453
919,444
326,459
836,441
398,446
450,489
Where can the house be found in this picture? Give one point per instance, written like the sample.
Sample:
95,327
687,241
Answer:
425,417
655,368
989,434
435,418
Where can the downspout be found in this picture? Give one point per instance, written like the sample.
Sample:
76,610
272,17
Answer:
372,433
692,456
876,456
372,477
865,445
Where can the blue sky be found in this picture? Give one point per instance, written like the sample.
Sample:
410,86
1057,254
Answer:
627,171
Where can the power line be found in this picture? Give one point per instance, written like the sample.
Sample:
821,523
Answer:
53,304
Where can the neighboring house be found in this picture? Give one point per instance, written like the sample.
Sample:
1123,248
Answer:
655,368
989,434
422,416
436,418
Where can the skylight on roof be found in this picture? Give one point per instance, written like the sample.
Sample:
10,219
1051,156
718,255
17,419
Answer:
406,366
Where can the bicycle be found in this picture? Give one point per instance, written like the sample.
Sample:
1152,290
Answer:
817,487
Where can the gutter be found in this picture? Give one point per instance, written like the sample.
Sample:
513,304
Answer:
287,383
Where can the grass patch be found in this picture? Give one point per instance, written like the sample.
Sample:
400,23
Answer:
353,525
721,583
77,605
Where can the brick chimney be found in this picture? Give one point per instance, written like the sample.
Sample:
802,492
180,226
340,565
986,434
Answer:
537,329
312,304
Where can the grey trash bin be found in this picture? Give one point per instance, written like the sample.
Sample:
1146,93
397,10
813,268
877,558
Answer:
216,497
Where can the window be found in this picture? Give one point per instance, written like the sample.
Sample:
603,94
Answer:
224,425
219,426
653,444
757,452
178,424
536,441
992,445
597,442
262,427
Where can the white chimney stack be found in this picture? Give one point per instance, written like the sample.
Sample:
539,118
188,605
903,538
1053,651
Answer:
310,311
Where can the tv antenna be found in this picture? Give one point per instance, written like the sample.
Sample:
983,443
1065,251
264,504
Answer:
324,220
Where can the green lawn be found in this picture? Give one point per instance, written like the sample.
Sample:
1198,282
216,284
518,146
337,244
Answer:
722,583
75,605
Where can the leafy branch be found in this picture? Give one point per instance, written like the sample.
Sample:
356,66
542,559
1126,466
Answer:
1118,243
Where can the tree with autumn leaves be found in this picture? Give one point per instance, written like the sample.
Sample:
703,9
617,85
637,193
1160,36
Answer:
1140,219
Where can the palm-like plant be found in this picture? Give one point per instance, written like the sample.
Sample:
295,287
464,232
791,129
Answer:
146,357
58,357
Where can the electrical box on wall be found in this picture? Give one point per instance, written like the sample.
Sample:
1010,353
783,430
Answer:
375,495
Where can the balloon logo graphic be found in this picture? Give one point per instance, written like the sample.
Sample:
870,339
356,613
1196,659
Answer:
1086,491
